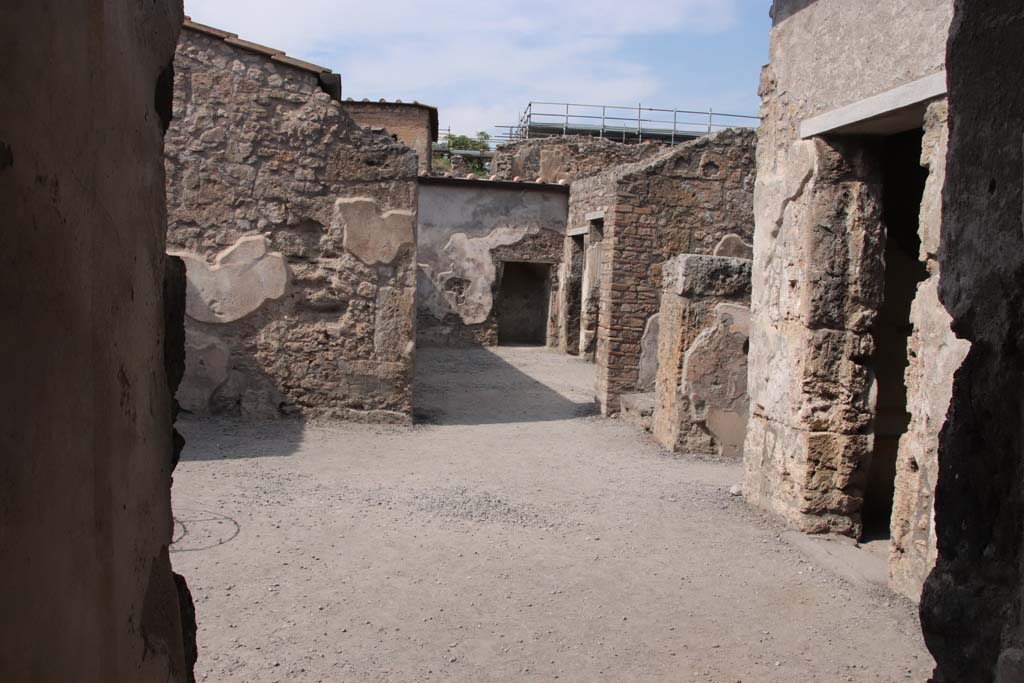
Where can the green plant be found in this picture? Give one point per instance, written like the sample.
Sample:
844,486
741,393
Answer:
481,143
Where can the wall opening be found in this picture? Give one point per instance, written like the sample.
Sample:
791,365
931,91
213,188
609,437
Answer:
574,294
591,289
903,182
524,291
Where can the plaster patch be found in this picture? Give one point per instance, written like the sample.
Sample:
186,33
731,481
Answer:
734,246
473,271
206,369
243,277
372,237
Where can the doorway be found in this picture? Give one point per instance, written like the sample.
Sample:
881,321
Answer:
903,183
590,289
524,292
574,293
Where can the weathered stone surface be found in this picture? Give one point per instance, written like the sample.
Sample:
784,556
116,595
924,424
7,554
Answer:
649,355
88,354
714,378
701,384
568,158
241,278
258,155
372,237
1010,666
590,287
695,275
393,330
638,409
831,53
978,579
465,232
814,299
684,200
819,265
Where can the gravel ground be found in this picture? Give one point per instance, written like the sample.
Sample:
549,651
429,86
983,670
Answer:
513,535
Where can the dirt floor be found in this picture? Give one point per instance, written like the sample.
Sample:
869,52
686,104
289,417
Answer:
513,536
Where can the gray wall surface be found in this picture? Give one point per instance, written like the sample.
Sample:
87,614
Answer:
832,53
465,231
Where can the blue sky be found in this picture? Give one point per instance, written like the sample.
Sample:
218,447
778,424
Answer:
480,63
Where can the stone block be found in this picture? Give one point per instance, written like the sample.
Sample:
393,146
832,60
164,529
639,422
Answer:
696,275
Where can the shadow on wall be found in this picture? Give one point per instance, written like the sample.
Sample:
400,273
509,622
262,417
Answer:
237,439
476,387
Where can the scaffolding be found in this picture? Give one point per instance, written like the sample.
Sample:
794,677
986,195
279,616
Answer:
622,124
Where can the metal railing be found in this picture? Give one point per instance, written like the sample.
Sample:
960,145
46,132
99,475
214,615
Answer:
625,124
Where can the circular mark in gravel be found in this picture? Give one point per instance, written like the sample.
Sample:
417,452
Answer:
201,530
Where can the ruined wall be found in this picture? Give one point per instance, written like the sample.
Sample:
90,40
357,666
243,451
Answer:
415,125
566,158
298,231
87,366
466,230
684,201
971,608
701,391
818,254
588,198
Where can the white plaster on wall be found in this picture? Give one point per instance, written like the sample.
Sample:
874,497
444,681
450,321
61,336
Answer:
370,236
243,277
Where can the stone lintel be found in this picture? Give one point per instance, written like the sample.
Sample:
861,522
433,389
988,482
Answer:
893,111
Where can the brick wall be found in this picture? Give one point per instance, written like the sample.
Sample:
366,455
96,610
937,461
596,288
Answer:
415,125
683,201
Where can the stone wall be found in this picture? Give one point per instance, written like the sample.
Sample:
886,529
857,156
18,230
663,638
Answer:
412,123
683,201
566,158
701,391
298,230
467,229
819,250
971,608
87,360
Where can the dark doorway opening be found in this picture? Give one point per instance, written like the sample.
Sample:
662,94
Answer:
522,308
903,182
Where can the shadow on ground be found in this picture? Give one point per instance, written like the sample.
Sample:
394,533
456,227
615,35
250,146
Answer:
232,439
478,386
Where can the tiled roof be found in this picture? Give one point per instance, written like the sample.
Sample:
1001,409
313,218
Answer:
234,40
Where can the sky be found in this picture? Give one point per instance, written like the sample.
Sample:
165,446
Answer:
480,63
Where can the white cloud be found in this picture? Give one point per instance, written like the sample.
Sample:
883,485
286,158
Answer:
478,62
